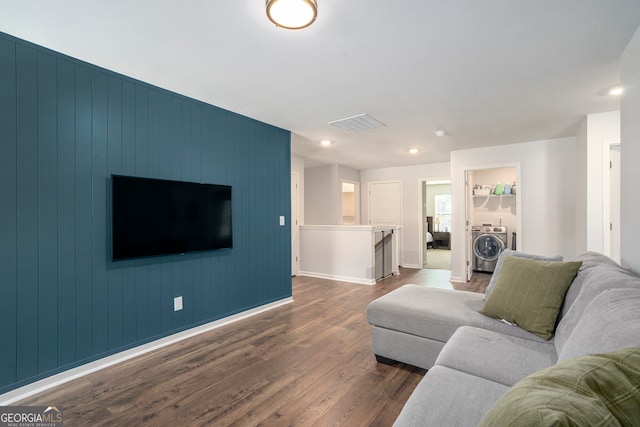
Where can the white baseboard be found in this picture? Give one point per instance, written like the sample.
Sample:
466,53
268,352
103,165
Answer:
419,266
66,376
359,280
457,279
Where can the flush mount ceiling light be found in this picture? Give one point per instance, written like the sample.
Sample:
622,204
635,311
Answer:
441,132
292,14
413,151
325,143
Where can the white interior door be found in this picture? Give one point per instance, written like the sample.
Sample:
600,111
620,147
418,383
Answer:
385,203
295,239
611,199
614,206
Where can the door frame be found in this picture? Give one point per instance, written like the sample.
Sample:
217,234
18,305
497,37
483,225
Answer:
356,200
295,226
468,233
466,260
422,242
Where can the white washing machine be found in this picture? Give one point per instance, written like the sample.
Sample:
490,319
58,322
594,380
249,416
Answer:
488,243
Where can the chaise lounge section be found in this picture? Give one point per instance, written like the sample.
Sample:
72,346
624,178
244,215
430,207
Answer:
475,361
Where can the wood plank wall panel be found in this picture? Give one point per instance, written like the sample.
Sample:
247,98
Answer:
99,216
83,217
115,304
66,320
8,212
66,127
47,197
27,205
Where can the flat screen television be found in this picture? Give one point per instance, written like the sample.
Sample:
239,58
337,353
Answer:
160,217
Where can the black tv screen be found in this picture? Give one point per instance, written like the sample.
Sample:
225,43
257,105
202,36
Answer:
159,217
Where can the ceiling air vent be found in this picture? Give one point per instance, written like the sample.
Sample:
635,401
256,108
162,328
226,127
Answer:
357,123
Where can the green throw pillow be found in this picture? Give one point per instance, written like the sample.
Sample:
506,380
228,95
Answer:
591,390
529,293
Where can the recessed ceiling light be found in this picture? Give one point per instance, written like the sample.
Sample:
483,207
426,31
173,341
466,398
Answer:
325,143
616,91
413,150
441,132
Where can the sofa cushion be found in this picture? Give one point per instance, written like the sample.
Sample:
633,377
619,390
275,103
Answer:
589,261
611,321
446,397
595,280
594,390
509,252
529,293
495,356
434,313
406,348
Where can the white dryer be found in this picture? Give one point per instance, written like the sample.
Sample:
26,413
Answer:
488,243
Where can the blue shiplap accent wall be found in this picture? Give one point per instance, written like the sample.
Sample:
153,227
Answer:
65,127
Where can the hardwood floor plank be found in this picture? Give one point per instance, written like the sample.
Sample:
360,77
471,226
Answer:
306,363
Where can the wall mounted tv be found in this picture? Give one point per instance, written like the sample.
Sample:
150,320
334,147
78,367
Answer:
159,217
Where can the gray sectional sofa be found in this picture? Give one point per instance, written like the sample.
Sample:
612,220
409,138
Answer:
475,362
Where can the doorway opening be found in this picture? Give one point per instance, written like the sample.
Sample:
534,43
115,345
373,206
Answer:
436,235
492,219
350,203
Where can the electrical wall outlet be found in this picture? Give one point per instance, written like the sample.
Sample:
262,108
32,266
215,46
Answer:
281,219
177,303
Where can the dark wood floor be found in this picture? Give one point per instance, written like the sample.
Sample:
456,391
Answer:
307,363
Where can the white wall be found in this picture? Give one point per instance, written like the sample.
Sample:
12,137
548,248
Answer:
322,202
630,136
323,193
545,196
347,174
338,252
411,178
348,205
581,188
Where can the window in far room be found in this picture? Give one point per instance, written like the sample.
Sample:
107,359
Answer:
442,218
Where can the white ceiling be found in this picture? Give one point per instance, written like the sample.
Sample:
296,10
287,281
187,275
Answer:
490,72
